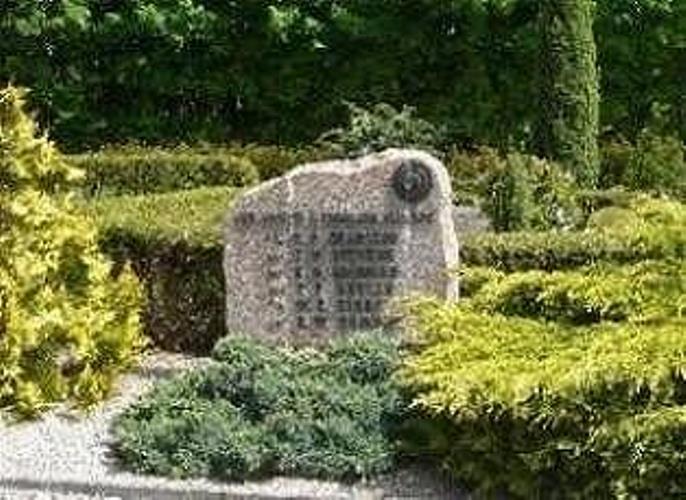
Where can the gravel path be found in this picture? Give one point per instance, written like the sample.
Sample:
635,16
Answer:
66,455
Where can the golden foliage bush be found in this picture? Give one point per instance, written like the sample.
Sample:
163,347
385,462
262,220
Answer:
67,327
562,383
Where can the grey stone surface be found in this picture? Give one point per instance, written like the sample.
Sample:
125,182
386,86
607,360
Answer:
327,247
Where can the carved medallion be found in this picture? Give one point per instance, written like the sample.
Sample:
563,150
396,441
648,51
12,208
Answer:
412,181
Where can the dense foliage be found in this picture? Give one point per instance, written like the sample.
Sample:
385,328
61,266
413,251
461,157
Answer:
379,128
66,326
563,384
265,410
524,192
281,71
655,163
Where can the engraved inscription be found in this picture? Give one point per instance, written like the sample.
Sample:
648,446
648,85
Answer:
331,270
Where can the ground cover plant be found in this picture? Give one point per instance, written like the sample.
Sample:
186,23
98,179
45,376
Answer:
561,383
67,327
264,410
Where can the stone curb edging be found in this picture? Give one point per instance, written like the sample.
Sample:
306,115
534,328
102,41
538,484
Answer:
167,491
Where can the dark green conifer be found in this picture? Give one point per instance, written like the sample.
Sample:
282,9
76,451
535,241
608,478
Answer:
569,98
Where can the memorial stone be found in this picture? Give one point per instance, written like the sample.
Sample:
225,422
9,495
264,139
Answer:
324,249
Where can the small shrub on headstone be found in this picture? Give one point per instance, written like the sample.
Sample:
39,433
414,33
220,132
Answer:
381,127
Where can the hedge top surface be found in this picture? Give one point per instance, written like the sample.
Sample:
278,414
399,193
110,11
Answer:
193,217
137,170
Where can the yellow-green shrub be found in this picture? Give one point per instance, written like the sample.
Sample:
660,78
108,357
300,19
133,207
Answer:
539,409
562,384
66,326
471,358
642,292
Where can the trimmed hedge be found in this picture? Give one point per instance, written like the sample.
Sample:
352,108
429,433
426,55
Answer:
192,217
174,244
142,170
656,232
274,161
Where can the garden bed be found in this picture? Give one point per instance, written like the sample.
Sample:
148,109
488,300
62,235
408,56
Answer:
66,452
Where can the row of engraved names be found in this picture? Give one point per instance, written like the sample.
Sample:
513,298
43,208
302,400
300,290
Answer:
342,305
350,237
308,218
348,272
342,322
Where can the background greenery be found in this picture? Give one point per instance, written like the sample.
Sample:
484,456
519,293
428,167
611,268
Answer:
174,70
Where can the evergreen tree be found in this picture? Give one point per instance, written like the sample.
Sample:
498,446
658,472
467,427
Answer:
569,96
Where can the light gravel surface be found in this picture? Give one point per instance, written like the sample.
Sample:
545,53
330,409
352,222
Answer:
66,455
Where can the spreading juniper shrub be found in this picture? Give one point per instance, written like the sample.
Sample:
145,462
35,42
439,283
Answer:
262,410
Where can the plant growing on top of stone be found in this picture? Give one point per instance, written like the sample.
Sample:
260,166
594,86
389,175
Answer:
380,127
67,327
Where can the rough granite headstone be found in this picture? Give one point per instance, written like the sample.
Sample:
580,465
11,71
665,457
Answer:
325,248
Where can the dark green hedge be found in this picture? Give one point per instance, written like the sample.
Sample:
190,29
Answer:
273,161
140,170
174,243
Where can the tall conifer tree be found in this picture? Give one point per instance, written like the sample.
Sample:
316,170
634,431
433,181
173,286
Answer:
569,94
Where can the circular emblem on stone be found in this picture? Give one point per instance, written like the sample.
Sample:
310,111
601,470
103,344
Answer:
412,181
